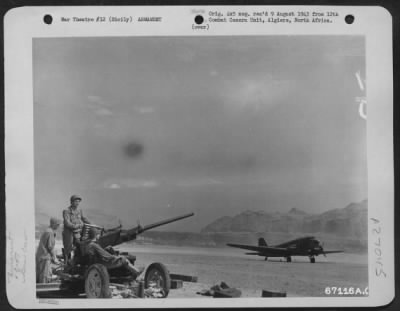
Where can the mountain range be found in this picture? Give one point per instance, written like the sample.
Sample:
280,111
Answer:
341,228
350,222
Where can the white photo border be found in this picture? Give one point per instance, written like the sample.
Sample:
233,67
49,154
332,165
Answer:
23,24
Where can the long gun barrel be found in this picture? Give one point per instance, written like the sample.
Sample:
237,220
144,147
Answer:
163,222
121,236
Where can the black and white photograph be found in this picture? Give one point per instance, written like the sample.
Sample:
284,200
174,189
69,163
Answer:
199,167
259,142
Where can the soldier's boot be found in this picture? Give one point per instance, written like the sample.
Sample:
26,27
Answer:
136,271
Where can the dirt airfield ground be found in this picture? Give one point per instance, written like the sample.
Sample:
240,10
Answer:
251,274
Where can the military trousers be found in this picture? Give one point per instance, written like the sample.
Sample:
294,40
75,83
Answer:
70,239
43,270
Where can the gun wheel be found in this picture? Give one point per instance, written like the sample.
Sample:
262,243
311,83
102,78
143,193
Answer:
157,277
97,282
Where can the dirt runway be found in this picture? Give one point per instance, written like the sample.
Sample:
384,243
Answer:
251,274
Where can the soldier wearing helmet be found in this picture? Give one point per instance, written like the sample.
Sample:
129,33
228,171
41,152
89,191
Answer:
73,224
98,254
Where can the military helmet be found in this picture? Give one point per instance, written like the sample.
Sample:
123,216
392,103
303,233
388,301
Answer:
75,197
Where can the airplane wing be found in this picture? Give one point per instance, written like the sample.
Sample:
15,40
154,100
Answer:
331,252
264,250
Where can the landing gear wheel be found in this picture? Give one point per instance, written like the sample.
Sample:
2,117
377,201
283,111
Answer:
289,259
157,277
97,282
312,259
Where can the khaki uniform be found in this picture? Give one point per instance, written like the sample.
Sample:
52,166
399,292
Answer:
97,254
44,254
73,223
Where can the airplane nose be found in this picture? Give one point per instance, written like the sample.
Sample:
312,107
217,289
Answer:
322,251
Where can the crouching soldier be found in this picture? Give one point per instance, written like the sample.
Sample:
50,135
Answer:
45,253
97,254
73,224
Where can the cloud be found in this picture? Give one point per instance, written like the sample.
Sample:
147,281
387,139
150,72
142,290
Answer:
144,109
186,54
198,182
103,112
94,98
141,184
99,126
213,73
99,106
129,183
255,92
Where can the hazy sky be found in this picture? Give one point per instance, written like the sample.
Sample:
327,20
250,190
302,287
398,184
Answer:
149,128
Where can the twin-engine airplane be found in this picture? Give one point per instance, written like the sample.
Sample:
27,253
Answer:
307,246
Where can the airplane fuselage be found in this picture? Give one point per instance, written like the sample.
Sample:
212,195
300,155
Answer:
306,246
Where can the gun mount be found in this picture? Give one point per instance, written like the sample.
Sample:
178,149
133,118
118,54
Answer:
118,235
89,275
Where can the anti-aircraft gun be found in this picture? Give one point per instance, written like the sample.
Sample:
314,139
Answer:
116,236
96,281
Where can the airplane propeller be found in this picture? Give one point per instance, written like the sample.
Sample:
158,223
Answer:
322,249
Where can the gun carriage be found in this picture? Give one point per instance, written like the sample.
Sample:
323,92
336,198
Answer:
83,276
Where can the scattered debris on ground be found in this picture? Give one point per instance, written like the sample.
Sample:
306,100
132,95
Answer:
266,293
135,291
221,291
184,278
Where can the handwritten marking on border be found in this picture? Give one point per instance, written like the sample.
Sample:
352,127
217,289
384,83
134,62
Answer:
377,245
16,259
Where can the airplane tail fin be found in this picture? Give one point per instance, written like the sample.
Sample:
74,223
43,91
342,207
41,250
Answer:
261,242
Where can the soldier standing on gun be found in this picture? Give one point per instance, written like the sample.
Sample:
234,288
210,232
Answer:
73,224
45,253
